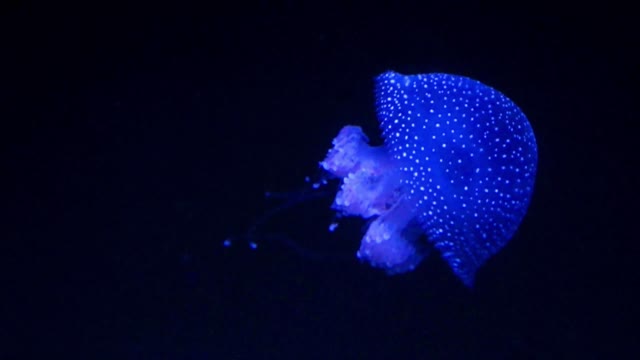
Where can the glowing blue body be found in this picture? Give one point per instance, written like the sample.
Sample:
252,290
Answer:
458,163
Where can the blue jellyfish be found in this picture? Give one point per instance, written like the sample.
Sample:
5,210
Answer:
457,165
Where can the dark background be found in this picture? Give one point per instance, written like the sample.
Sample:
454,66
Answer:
135,139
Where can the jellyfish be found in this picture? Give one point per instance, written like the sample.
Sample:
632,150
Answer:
456,173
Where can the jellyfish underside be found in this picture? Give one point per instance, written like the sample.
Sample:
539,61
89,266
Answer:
372,188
